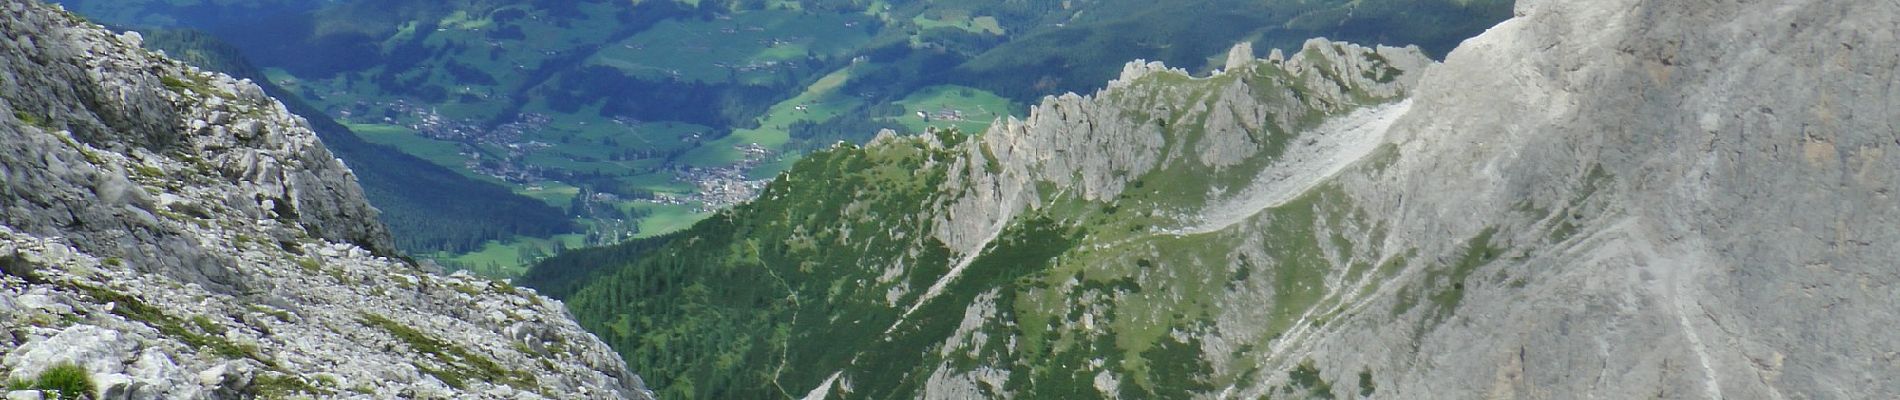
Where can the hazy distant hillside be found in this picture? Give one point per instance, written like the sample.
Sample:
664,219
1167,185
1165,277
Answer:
186,13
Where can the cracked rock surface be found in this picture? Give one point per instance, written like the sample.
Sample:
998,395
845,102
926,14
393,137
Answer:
180,235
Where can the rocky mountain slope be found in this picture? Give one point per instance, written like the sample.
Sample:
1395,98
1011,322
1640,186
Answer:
179,234
1613,199
957,265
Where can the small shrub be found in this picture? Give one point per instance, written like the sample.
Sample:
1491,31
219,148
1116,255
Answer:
69,380
33,120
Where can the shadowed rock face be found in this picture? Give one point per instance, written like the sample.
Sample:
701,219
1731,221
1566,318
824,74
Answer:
180,235
110,96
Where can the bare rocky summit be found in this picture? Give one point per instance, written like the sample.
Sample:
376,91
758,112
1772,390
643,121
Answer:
180,235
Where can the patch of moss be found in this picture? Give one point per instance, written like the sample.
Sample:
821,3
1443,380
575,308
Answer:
458,365
147,171
281,386
33,120
1366,387
83,151
1305,380
1478,252
137,310
173,83
310,264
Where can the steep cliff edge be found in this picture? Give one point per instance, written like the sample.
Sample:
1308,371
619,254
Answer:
179,234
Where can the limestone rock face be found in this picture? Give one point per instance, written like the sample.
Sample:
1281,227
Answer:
1094,146
108,96
180,235
1695,202
1609,199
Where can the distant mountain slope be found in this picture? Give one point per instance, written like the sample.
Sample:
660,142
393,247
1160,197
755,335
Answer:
860,261
1618,199
1079,56
178,234
186,13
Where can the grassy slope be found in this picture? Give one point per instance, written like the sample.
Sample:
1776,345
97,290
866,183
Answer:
711,317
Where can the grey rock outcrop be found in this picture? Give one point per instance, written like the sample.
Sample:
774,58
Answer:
180,235
1696,199
111,96
1094,146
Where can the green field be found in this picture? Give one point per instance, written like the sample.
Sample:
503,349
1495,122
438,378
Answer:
820,101
554,193
445,153
978,108
959,19
509,259
666,218
749,47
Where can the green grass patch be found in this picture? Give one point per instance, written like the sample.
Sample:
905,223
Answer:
202,337
950,106
283,386
34,120
445,153
457,365
749,47
960,20
1478,252
510,258
556,194
667,218
819,102
66,381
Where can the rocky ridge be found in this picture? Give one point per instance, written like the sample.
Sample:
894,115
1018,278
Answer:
181,235
1096,145
1239,127
1615,199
